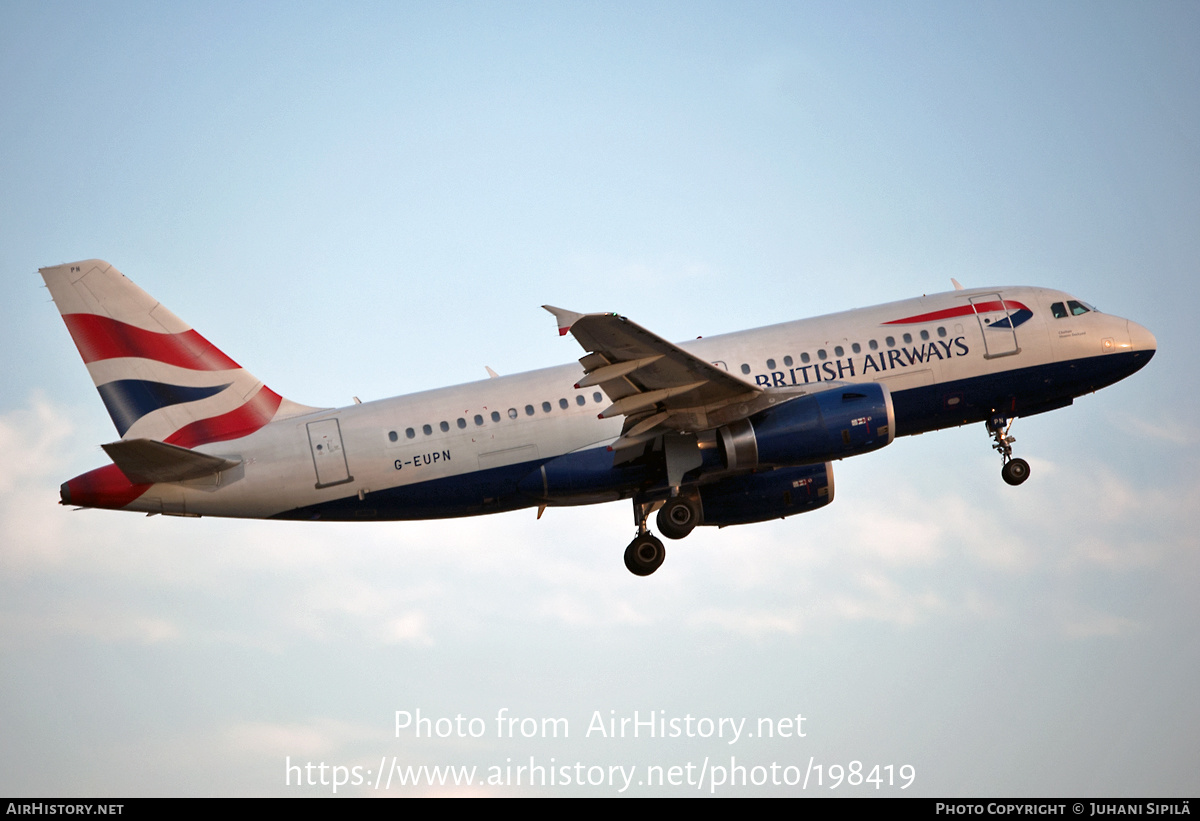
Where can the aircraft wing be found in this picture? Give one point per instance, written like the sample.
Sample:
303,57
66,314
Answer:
654,383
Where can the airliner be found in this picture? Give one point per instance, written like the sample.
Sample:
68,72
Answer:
725,430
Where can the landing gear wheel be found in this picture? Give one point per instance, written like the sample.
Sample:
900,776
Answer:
1015,471
678,517
644,555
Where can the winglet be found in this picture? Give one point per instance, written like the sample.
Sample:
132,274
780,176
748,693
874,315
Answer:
565,318
957,286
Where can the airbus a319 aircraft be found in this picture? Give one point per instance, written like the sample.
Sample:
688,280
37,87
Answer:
727,430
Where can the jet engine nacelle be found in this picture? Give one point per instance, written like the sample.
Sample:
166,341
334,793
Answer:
772,494
819,427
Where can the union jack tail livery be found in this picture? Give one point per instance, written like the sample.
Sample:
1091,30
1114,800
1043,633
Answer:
166,387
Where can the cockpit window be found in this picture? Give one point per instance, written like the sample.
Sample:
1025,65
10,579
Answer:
1059,310
1077,308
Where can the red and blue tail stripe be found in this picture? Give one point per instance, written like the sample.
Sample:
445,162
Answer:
243,421
158,378
128,400
101,337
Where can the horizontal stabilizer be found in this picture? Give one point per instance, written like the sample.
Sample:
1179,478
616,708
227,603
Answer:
145,461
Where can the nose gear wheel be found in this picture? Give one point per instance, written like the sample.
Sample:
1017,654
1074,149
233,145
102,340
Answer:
1014,471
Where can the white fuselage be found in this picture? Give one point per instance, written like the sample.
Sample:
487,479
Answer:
463,450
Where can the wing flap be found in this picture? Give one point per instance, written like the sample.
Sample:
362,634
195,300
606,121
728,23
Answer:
606,373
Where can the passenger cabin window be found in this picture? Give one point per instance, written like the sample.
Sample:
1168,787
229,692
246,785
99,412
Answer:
529,410
462,423
478,420
787,361
545,407
770,364
495,416
427,430
745,368
580,401
393,436
562,403
599,397
445,426
410,433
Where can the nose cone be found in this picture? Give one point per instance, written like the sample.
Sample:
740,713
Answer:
1141,339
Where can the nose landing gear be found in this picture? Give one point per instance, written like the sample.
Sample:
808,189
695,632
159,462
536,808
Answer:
1014,471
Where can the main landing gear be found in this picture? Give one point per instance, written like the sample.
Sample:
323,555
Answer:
677,517
645,554
1015,471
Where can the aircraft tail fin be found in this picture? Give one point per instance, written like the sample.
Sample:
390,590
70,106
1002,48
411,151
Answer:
158,378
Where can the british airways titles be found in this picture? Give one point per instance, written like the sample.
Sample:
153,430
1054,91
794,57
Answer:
878,362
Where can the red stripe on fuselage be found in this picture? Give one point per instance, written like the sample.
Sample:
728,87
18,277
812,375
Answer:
101,337
237,423
962,310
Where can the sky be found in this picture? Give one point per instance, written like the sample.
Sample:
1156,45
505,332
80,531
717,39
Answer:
368,200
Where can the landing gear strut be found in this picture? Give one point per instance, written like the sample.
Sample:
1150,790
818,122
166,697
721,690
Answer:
1015,471
645,553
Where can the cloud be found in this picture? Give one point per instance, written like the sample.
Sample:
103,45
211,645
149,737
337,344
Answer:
321,737
749,623
1169,431
86,619
887,551
1082,624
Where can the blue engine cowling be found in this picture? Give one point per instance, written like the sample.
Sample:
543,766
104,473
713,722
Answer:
820,427
772,494
807,430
